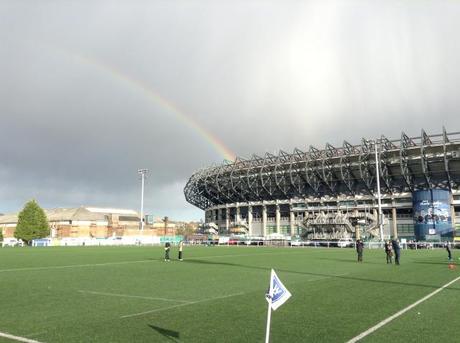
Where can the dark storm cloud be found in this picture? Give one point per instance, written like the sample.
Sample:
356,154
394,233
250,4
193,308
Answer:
75,127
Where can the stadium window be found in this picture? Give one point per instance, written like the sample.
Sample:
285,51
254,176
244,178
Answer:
128,219
405,228
347,203
401,201
271,229
285,229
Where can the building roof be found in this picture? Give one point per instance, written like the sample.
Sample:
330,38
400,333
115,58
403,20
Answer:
75,214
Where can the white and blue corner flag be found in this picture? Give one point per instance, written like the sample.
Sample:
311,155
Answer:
277,293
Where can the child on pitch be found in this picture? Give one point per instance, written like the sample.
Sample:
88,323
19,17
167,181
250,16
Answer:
389,252
167,248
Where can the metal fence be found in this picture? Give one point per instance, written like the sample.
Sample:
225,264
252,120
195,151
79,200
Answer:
333,244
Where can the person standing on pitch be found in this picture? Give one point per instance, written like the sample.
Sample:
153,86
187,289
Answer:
448,251
389,252
181,247
359,249
397,250
167,248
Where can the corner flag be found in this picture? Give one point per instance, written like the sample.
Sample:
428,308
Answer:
277,296
277,293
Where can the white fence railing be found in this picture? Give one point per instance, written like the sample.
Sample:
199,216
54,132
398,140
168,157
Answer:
229,241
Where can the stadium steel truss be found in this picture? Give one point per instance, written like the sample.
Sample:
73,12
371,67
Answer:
405,165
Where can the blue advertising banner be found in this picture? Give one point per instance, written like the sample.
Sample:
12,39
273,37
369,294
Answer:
432,215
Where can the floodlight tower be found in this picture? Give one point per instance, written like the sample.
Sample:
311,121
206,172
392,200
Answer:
377,176
142,173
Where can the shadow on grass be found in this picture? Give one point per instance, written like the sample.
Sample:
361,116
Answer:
159,259
344,260
169,334
343,277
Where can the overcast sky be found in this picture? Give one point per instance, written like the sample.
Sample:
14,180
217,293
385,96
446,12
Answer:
84,86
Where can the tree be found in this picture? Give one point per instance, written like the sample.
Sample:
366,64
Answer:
186,229
32,223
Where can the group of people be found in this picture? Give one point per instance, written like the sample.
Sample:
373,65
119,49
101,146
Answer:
393,247
168,248
390,247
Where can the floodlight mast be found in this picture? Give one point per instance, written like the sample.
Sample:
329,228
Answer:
379,201
142,173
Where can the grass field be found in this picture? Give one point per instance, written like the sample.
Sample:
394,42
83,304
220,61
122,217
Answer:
129,294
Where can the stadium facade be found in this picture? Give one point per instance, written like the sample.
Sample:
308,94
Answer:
332,193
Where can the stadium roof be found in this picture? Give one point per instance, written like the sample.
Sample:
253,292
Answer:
405,165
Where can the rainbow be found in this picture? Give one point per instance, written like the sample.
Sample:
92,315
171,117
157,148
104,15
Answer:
164,103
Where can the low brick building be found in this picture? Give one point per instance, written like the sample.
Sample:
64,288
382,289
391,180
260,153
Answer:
91,222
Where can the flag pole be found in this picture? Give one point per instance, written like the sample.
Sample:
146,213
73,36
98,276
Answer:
269,314
277,296
267,334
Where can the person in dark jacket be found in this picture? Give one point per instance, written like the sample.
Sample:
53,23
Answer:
389,252
359,249
397,250
449,253
167,249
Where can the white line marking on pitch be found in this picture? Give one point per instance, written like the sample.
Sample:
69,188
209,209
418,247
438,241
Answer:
17,338
185,302
180,305
35,334
124,262
327,277
243,255
389,319
72,266
133,296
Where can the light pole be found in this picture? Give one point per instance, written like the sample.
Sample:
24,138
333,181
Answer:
377,175
142,173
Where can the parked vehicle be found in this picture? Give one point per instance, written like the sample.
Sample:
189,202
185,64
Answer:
346,243
300,243
12,242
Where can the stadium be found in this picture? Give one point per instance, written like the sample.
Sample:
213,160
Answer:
121,293
337,192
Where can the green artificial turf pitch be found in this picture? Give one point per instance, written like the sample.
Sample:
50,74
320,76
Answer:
129,294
